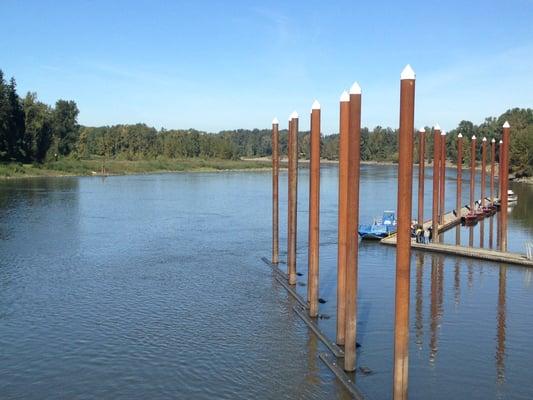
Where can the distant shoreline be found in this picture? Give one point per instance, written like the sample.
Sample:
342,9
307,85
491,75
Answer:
100,167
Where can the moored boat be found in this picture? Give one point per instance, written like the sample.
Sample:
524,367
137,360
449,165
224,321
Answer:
470,218
380,229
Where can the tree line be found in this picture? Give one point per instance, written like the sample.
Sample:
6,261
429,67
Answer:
32,131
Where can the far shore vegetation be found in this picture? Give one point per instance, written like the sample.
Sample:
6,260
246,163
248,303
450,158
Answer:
37,139
100,166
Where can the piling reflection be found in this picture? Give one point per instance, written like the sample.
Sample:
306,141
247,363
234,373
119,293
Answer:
419,306
470,273
436,307
501,322
457,282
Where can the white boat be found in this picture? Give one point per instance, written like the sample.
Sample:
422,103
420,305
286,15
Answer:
512,196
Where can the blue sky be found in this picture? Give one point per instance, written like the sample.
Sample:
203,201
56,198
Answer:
216,65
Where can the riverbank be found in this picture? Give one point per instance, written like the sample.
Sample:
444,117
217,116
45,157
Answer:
96,167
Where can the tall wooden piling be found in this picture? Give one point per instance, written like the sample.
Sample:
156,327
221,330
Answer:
504,177
314,212
483,169
492,162
403,247
293,198
352,243
472,171
499,186
421,173
275,192
458,197
442,176
343,215
436,182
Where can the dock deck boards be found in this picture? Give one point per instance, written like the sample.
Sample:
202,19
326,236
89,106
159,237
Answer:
449,221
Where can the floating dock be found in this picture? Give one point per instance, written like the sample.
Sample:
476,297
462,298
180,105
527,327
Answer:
450,220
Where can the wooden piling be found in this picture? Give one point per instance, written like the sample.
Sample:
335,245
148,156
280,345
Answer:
483,169
352,242
504,177
275,192
293,198
436,181
421,173
499,186
472,172
403,248
492,162
458,198
343,211
442,176
314,212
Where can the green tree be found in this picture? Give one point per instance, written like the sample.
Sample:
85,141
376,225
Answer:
65,126
38,124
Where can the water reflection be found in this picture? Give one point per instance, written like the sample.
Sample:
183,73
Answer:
436,307
501,321
457,282
419,324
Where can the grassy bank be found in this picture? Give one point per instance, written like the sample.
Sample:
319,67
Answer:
71,167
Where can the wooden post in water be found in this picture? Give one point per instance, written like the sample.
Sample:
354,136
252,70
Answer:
343,215
293,198
504,177
436,180
421,173
314,212
472,172
483,169
352,242
499,187
442,175
403,246
492,157
500,149
458,198
275,192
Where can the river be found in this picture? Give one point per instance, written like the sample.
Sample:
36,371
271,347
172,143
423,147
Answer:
152,286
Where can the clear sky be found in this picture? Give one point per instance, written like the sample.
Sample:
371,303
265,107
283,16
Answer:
216,65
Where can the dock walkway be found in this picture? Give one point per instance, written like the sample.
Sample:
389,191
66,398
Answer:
472,252
450,220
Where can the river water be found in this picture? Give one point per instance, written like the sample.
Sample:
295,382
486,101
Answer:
152,286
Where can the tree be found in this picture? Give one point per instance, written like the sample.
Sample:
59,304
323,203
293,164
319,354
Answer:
65,126
15,123
4,116
38,124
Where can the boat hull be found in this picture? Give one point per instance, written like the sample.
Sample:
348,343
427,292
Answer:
372,236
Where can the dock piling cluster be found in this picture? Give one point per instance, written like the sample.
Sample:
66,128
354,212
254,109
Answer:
348,214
